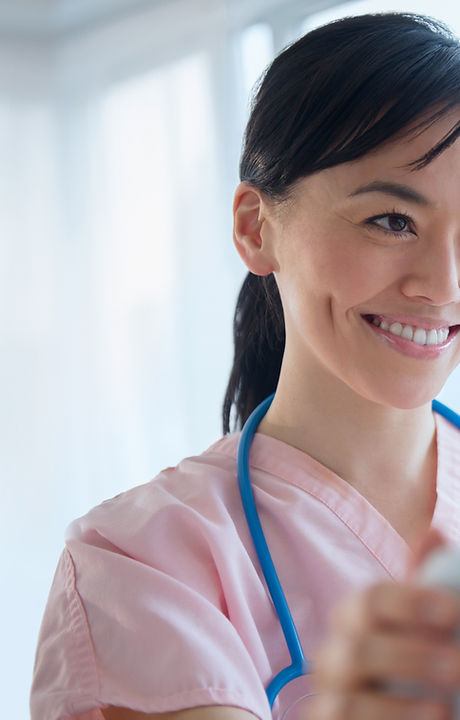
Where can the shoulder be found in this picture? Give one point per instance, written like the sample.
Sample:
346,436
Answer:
199,489
185,526
140,613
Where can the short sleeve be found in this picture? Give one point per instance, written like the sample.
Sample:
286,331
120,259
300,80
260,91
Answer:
123,632
65,668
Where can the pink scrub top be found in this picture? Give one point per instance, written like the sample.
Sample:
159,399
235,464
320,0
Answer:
158,602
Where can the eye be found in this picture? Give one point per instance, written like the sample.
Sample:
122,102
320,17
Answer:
394,223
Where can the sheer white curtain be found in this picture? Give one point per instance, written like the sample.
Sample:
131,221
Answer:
30,413
119,147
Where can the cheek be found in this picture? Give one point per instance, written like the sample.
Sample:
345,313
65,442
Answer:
334,271
349,275
355,272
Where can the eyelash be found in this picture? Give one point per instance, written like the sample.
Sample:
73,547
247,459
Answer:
393,213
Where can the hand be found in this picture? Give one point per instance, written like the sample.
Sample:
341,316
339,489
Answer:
382,641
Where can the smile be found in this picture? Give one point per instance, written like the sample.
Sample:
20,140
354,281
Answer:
417,335
420,343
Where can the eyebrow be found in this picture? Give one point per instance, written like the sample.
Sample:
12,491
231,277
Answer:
404,192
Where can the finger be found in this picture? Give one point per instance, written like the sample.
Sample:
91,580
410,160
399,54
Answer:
350,662
363,706
393,606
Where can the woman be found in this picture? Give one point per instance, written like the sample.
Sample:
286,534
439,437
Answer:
347,217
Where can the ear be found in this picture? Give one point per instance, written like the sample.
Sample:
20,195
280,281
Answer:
249,234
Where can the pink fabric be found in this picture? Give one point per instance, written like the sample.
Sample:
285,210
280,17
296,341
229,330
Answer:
158,603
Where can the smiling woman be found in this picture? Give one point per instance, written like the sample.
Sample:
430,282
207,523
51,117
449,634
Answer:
347,219
361,257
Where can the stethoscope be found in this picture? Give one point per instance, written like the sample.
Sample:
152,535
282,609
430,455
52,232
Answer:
299,665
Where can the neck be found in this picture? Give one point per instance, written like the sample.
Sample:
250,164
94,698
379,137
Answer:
386,453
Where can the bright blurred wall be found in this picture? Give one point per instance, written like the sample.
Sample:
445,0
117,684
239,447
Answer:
119,147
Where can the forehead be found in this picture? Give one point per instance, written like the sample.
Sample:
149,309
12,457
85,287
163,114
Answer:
405,149
392,162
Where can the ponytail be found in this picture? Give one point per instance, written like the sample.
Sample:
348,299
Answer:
259,336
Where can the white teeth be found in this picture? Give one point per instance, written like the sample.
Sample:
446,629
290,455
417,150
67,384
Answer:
443,334
407,332
420,336
396,328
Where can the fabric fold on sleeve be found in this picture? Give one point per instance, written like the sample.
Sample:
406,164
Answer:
125,632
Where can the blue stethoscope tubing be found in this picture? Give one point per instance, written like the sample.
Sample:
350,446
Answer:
299,665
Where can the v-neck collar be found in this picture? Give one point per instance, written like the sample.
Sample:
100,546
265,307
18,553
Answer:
299,469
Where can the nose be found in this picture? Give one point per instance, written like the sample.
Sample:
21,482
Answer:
434,275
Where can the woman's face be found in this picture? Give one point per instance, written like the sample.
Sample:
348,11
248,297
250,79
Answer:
367,250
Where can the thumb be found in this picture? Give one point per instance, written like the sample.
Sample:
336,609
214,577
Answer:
423,544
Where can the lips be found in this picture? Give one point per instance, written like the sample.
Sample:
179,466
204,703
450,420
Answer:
412,332
426,323
413,339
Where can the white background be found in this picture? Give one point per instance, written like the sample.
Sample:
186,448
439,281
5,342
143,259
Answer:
120,134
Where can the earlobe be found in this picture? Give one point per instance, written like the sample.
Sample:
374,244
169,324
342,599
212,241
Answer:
248,230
